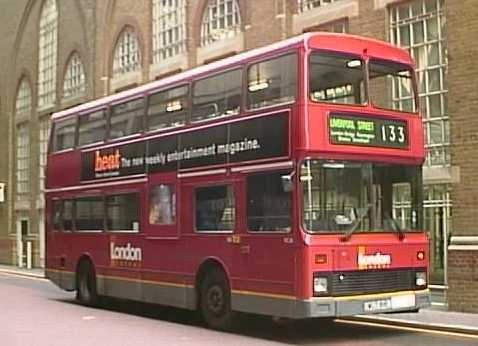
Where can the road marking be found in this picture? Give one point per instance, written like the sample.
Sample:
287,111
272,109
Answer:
413,329
88,318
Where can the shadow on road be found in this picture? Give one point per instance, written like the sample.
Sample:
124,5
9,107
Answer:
261,327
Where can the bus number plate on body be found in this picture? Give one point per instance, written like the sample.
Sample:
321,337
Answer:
377,305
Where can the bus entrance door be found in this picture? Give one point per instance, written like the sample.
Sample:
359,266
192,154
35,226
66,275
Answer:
266,248
162,256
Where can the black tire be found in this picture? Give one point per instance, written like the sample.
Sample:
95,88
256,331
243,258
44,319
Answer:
86,285
215,300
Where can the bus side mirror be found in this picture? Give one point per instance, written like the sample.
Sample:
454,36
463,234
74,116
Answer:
287,182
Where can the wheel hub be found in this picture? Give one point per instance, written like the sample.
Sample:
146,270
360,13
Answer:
215,299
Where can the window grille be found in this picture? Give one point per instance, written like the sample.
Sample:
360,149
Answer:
75,80
419,27
221,20
47,58
306,5
127,57
24,99
169,29
23,162
43,146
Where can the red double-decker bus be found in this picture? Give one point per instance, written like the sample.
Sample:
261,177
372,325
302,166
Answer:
283,181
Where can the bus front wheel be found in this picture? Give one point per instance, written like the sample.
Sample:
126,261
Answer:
215,300
86,285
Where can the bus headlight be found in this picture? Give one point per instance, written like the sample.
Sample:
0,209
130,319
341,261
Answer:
420,279
320,285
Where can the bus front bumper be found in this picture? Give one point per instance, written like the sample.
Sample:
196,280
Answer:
363,304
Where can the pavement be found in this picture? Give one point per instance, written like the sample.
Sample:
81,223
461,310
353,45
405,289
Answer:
33,272
432,318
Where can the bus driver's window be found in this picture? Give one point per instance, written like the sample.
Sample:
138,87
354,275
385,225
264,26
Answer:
162,205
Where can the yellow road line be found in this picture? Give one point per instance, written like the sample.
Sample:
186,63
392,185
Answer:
410,329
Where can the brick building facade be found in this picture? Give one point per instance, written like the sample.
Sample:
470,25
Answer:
56,54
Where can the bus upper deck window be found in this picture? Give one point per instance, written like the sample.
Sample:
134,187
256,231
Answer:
126,118
217,96
92,128
64,134
336,78
391,86
168,108
272,82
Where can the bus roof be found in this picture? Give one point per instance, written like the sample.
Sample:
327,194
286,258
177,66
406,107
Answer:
315,40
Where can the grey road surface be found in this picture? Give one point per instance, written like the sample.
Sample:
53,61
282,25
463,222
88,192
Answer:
35,312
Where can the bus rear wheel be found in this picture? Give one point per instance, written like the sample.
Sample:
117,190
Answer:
86,285
215,300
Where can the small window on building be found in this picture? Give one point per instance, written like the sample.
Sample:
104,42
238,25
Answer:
280,7
64,137
217,96
162,205
268,203
214,208
168,108
340,26
89,214
272,82
306,5
122,212
126,118
92,128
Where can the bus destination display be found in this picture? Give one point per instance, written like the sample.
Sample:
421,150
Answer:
368,131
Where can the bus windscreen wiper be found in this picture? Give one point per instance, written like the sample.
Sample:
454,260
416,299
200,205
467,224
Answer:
358,221
401,233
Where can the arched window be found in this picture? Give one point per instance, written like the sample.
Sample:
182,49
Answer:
74,83
221,19
169,28
23,103
127,56
47,57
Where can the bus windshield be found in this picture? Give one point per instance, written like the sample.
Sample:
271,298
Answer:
348,196
396,80
338,78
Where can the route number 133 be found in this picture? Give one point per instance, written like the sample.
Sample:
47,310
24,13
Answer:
393,133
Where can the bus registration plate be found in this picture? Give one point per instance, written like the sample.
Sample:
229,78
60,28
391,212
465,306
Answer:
397,302
377,305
